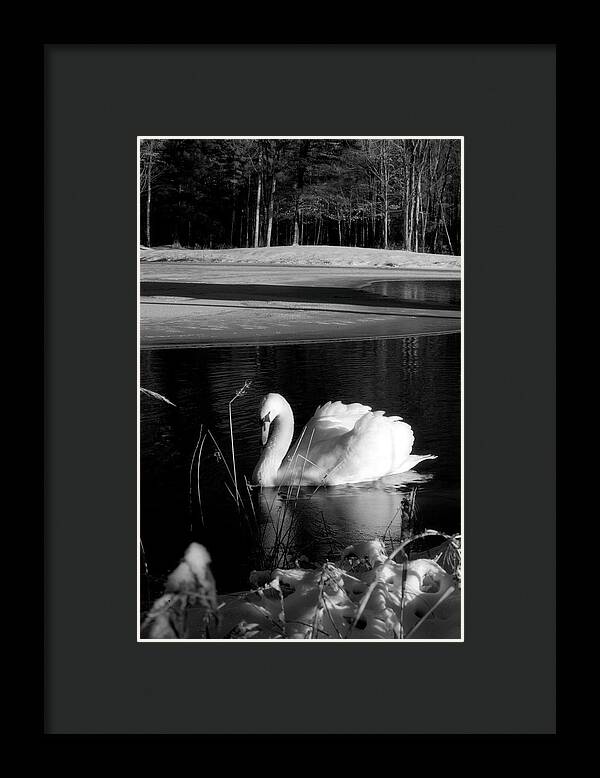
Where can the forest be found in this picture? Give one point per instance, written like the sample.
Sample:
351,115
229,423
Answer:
375,193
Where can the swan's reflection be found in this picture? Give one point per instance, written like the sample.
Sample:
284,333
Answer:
317,523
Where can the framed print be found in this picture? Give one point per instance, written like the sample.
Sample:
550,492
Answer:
291,369
298,267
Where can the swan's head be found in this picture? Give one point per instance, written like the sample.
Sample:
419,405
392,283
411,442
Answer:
272,405
277,430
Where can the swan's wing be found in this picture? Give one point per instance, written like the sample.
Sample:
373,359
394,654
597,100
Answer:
339,410
344,444
412,461
329,421
376,446
326,426
334,418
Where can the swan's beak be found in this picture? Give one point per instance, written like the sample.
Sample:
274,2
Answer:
265,424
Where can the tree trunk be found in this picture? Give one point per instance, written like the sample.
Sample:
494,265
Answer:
419,209
407,197
270,211
442,191
385,175
149,194
148,198
446,228
258,192
248,213
374,214
386,217
298,186
411,228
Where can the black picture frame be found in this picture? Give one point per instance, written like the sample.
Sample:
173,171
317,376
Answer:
98,100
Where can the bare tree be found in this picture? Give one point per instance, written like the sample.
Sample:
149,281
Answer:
298,187
150,171
378,162
274,159
259,174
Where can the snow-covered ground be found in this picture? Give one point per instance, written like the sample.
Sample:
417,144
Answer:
316,256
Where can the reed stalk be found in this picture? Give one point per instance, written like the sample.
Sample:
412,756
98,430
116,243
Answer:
240,392
156,396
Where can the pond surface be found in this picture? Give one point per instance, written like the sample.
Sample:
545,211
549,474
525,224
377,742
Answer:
436,294
416,377
432,294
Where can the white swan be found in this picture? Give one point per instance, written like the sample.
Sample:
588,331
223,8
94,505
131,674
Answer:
341,444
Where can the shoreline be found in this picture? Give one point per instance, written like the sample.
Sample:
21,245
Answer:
248,344
194,324
344,273
307,256
227,305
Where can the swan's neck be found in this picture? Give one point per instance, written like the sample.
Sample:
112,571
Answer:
280,437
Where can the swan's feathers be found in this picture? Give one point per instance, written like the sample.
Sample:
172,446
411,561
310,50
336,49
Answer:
335,418
331,420
352,442
341,411
344,416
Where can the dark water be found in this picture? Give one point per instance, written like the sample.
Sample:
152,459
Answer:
434,294
417,378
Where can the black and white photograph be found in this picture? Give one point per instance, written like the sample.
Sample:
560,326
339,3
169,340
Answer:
300,375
